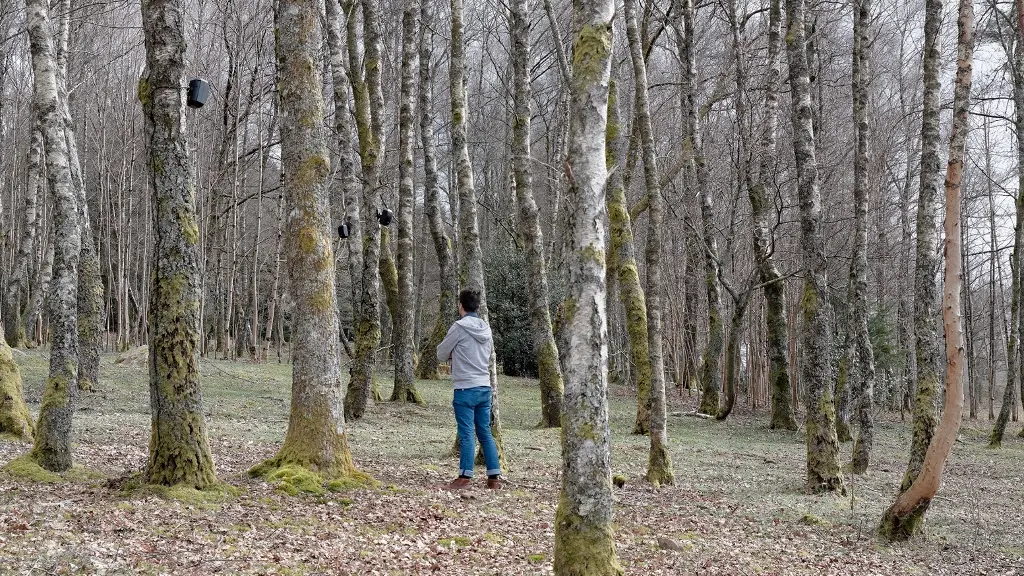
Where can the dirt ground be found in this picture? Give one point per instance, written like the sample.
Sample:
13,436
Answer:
738,507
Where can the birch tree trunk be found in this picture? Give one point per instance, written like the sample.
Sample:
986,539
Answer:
622,258
369,100
316,438
16,299
659,466
697,175
544,347
447,312
862,372
52,448
90,288
584,541
346,167
179,452
471,266
1016,59
774,288
926,267
405,327
903,519
823,472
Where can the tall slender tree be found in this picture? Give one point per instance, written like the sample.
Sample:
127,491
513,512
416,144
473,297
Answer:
903,519
926,266
369,101
405,346
544,347
823,472
696,174
584,540
659,466
179,452
447,307
316,438
52,448
862,367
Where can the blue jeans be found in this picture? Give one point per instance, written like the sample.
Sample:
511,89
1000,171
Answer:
473,411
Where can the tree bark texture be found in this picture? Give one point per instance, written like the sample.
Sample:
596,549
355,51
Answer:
548,370
316,438
659,466
927,352
823,472
768,272
179,452
862,369
447,299
903,519
584,541
16,299
697,176
405,345
52,448
369,100
346,167
622,258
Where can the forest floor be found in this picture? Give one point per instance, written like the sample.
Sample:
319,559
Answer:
738,508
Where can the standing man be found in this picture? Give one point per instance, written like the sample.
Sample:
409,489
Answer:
468,345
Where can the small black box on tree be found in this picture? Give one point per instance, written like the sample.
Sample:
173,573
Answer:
198,93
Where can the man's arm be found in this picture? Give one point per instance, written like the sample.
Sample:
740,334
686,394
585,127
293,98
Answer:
447,346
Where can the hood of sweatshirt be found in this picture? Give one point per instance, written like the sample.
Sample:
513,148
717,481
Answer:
476,328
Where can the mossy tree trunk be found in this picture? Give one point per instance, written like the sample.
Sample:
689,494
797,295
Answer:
584,539
16,298
405,327
316,438
90,288
659,466
179,452
768,272
862,371
927,351
52,448
471,265
369,101
622,259
903,519
447,312
544,347
15,421
823,472
345,166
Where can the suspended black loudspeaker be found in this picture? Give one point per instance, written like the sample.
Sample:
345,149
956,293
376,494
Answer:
385,216
343,230
198,93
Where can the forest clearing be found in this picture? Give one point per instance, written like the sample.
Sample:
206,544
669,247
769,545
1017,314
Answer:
739,506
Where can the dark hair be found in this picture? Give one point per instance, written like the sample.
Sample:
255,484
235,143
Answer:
470,299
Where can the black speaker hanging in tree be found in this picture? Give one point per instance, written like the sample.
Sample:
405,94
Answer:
344,231
198,92
385,216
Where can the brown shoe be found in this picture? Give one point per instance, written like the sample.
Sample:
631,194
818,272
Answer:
496,484
459,483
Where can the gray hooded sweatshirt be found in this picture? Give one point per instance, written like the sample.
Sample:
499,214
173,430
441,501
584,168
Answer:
468,345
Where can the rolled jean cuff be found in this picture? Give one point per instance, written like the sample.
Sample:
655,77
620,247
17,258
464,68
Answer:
494,472
468,473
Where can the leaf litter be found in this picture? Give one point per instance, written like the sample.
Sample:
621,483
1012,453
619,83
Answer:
738,507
